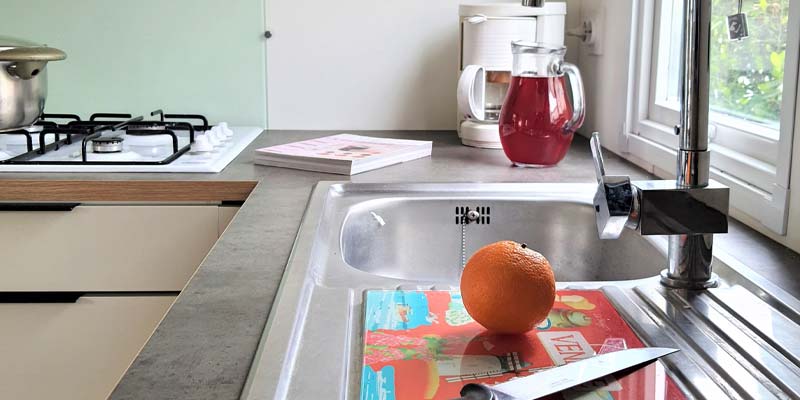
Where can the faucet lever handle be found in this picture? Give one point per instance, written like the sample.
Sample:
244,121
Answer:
597,155
615,198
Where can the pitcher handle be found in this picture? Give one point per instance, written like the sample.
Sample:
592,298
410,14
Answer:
470,92
578,100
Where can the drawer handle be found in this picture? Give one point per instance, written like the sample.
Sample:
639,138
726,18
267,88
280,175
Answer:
38,206
40,297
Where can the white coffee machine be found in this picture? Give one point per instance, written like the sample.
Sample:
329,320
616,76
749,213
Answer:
487,31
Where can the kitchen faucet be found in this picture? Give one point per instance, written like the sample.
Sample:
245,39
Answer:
533,3
691,208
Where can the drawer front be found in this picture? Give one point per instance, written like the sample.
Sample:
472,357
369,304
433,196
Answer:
226,214
105,248
74,350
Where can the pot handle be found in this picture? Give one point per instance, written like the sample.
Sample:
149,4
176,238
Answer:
27,62
578,100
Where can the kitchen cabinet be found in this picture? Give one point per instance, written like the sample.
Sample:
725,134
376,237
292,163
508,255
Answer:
226,214
74,350
82,288
111,247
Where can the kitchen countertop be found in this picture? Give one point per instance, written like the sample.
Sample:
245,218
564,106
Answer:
204,346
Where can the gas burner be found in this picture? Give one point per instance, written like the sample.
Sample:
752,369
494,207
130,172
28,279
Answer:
107,144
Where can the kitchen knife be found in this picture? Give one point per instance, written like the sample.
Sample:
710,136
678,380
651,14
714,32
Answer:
556,379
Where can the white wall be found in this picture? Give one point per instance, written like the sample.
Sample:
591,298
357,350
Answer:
573,20
362,64
605,76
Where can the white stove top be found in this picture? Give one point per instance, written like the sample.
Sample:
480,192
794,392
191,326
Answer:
208,154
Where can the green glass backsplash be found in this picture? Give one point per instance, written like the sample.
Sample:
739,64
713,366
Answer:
185,56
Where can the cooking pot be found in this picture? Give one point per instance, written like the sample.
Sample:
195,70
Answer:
23,81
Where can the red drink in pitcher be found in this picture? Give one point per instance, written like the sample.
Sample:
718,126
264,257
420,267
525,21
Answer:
532,120
537,121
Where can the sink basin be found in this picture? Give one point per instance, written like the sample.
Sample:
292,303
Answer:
424,238
737,340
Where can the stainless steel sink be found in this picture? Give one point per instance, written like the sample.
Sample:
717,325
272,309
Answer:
356,237
425,239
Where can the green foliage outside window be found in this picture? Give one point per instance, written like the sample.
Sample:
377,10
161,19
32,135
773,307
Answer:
747,75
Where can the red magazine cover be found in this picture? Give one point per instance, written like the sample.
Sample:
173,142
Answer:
424,345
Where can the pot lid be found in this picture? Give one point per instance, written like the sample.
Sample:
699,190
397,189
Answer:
31,57
8,41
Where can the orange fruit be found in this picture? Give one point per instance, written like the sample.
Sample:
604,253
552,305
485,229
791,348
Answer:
507,287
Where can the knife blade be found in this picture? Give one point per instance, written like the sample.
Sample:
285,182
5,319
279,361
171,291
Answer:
564,377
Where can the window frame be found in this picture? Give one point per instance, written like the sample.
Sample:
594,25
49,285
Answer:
752,161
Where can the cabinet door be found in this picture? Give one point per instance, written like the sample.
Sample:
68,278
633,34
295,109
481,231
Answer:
105,248
73,350
226,214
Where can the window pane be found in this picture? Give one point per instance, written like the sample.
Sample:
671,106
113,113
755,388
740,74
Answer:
669,56
747,76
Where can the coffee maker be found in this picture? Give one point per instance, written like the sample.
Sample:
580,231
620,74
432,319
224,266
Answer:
487,31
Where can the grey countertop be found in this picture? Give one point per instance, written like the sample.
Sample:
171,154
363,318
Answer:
205,345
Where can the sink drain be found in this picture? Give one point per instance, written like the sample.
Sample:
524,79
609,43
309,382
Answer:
466,215
478,215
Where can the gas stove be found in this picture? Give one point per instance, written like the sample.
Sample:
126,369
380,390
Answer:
110,142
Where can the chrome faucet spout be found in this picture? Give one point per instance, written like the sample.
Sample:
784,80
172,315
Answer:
533,3
694,159
690,254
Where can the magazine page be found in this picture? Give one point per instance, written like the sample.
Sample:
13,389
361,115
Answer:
424,345
343,147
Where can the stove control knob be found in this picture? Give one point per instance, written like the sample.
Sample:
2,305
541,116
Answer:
212,138
201,144
223,132
226,129
218,134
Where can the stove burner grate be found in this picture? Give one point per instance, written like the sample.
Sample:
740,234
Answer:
96,130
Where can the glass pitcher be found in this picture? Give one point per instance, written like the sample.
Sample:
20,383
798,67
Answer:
537,120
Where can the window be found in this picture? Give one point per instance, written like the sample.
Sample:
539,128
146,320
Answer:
752,93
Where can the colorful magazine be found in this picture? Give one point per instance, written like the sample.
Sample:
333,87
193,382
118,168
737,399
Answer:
343,154
424,345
